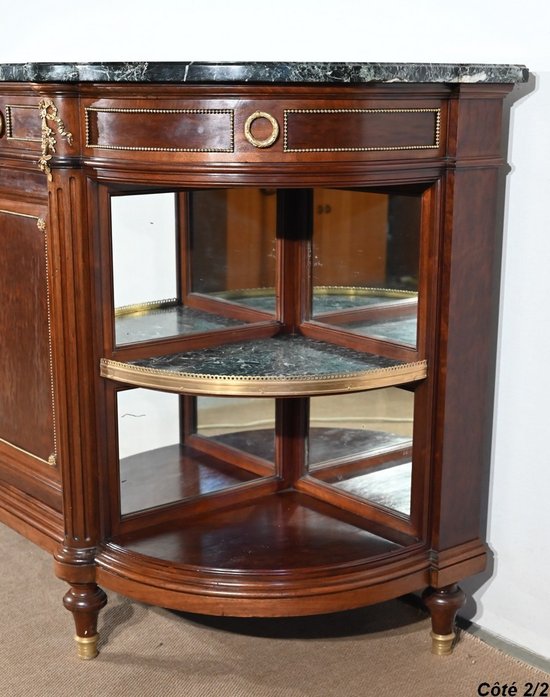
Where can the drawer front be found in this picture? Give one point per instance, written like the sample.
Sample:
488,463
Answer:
262,129
361,130
206,130
22,123
38,125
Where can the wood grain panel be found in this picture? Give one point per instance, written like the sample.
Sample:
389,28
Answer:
346,130
171,130
23,123
26,414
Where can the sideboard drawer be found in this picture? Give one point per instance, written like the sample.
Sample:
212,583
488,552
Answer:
263,128
160,129
361,130
23,123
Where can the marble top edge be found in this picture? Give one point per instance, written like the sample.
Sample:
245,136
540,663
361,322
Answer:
263,73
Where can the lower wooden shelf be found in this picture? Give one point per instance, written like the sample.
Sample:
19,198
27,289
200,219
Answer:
173,473
286,553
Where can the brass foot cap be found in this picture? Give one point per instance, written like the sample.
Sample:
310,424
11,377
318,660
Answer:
86,647
442,644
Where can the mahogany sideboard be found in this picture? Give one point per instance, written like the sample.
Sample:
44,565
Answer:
247,330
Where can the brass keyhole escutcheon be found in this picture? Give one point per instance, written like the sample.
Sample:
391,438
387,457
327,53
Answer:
267,142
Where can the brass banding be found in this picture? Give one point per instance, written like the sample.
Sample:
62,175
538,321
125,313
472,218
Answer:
359,291
442,644
260,385
86,647
267,142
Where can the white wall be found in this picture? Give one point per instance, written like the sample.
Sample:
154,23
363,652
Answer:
513,601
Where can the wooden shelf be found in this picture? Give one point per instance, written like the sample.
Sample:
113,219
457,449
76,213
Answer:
281,554
174,473
280,533
286,365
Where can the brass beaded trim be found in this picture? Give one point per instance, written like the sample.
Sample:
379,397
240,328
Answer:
259,385
319,290
435,145
137,148
235,295
41,225
145,306
9,123
364,291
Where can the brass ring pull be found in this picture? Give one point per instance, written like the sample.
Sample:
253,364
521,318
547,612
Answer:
254,141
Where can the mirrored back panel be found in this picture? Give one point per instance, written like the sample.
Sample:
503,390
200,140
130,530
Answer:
191,263
172,449
362,444
199,262
365,261
243,424
232,246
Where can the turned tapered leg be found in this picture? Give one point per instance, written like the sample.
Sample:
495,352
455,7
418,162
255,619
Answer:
85,601
443,604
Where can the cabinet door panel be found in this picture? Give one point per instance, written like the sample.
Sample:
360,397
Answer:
26,412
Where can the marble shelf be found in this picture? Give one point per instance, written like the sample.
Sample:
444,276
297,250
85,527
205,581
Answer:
325,445
324,298
262,72
399,329
285,365
163,320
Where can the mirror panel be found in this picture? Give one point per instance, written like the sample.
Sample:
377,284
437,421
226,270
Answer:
161,460
246,425
362,444
365,263
232,246
143,234
150,271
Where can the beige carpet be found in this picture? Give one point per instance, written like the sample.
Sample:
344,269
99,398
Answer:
381,651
